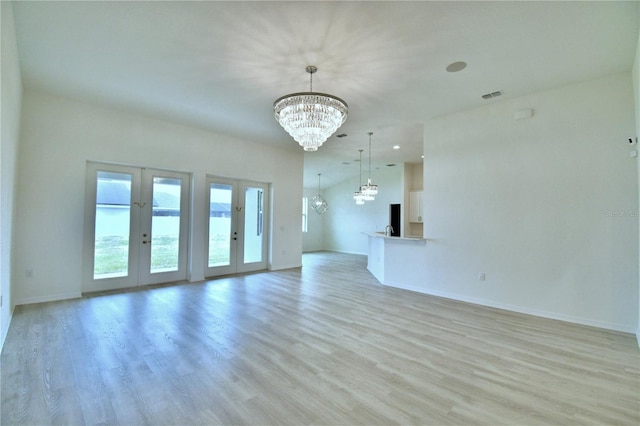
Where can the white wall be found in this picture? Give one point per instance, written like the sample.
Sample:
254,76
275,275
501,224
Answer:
10,123
345,222
313,239
546,207
60,135
417,176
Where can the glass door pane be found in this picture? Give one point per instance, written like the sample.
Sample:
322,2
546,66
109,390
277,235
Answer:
220,224
253,224
165,224
253,211
112,225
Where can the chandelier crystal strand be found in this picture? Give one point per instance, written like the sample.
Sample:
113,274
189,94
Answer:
369,190
310,118
358,196
318,203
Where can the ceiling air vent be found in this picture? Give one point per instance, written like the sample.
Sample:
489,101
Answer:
492,95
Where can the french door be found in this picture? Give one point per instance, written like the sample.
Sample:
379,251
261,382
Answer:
237,232
136,229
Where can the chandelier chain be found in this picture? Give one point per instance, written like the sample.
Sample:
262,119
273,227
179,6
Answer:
358,196
360,177
369,190
370,133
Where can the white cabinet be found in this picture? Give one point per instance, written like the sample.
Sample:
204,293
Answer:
415,206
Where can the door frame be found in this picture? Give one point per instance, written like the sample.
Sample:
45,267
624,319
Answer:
236,264
135,276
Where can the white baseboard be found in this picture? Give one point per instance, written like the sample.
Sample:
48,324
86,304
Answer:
281,267
527,311
347,252
50,298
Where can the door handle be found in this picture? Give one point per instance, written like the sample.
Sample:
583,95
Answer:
146,241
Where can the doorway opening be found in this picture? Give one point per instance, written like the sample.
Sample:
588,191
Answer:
395,219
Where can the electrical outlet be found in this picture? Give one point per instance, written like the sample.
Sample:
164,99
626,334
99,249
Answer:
28,273
482,276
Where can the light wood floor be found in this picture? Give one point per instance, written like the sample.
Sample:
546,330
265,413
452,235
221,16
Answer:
323,345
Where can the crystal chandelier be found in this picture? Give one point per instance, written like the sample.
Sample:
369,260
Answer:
310,118
358,196
318,203
369,190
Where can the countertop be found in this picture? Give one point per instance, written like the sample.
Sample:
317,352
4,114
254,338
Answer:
387,237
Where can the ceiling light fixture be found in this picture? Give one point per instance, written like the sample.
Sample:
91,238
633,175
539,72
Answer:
318,203
369,190
456,66
310,118
358,196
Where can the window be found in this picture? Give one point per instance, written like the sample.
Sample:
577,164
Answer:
305,212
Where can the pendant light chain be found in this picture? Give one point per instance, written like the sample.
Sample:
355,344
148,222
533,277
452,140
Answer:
370,133
358,196
360,177
369,191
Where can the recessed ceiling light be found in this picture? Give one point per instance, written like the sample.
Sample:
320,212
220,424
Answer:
396,147
456,66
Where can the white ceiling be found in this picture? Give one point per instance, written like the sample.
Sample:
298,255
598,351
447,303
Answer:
220,65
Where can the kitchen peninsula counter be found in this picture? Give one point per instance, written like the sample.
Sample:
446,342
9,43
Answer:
388,256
